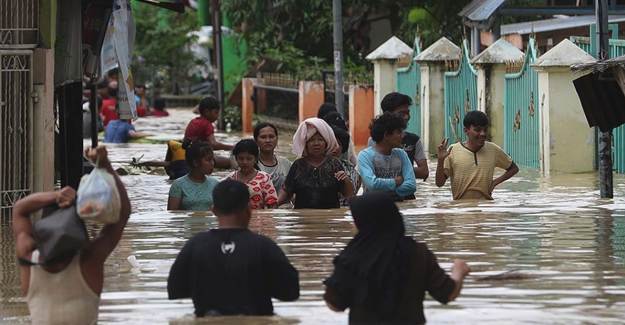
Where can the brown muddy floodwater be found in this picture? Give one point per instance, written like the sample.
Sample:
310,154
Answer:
565,246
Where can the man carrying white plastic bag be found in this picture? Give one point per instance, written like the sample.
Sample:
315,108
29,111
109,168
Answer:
98,198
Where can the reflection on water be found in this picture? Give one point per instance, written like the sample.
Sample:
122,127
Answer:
566,246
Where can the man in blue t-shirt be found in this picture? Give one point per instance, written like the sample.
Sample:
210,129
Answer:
120,131
384,166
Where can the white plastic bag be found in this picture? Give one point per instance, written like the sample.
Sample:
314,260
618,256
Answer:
98,198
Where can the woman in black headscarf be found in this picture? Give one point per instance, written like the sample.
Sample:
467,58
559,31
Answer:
382,275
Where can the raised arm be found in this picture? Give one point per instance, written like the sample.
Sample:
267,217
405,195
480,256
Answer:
443,153
102,246
22,225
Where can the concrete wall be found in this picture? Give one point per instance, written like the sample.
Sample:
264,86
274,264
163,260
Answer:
568,143
310,98
384,81
361,113
491,91
432,106
43,120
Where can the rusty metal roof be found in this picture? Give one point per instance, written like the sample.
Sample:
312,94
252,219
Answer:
480,10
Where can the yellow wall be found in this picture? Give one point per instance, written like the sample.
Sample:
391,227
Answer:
568,142
495,109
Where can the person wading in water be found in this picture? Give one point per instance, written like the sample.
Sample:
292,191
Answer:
382,275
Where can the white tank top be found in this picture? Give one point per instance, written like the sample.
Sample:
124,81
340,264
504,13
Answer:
61,298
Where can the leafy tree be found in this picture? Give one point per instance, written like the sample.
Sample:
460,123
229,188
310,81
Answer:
161,45
298,33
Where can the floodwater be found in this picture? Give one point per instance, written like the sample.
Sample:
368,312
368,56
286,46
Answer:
564,246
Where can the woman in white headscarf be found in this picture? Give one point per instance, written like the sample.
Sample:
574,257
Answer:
316,178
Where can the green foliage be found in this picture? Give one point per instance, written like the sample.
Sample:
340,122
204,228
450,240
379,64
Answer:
433,19
298,34
161,45
232,115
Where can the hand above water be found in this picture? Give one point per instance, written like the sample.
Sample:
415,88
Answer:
460,268
99,156
443,149
65,197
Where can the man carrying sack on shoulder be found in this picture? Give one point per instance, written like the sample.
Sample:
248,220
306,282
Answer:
61,270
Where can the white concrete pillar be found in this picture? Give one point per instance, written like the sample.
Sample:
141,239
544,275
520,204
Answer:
491,74
432,105
432,62
567,142
384,81
384,60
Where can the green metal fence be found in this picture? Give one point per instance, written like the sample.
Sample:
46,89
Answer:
408,81
460,96
522,113
617,48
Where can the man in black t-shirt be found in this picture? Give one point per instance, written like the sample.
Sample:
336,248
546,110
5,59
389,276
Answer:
231,270
400,104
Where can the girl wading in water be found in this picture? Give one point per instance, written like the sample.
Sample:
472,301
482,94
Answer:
316,178
194,191
262,193
266,136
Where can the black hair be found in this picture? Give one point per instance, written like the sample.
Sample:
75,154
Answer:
393,100
335,119
195,151
159,104
230,196
247,146
208,103
475,118
342,137
113,72
324,109
384,124
102,84
261,126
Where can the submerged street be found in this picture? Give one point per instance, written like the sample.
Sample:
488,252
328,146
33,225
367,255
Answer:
547,250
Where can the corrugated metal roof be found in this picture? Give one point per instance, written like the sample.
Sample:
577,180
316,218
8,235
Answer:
480,10
546,25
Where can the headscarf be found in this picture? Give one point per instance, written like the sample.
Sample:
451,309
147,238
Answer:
371,271
307,129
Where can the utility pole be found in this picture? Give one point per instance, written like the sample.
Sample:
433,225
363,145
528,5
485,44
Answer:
216,19
605,138
339,97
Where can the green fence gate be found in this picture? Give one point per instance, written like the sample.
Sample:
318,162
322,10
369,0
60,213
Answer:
616,48
522,113
408,83
460,96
